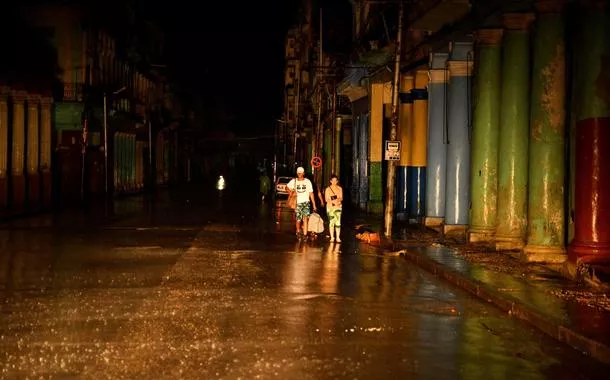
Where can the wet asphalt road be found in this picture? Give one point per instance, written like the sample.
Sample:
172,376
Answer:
205,287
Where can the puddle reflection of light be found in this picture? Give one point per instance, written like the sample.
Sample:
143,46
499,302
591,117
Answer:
329,281
220,184
284,217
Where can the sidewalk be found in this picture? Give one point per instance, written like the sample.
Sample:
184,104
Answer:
573,313
100,212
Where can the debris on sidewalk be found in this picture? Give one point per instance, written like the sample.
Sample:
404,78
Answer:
592,299
402,252
508,281
364,233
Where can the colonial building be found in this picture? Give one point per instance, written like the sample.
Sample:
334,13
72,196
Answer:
103,124
317,118
296,91
503,121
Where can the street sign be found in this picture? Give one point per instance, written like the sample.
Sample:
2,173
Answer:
316,162
392,150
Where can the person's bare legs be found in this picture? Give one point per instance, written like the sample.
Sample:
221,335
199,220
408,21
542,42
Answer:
305,225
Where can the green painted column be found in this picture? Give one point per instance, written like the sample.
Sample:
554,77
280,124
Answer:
115,155
307,160
546,185
375,204
338,153
376,186
126,161
514,133
167,159
123,160
132,161
485,129
327,157
308,157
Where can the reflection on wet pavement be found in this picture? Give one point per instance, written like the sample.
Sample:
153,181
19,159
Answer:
153,297
534,293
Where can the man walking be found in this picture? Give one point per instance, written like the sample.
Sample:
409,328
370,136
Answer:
304,201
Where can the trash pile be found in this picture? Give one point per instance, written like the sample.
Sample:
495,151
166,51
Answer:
365,234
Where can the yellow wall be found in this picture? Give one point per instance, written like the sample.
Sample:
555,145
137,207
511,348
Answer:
419,148
33,134
18,154
4,136
72,44
69,39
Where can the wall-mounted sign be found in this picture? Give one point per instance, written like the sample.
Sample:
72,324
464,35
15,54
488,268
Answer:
68,116
392,150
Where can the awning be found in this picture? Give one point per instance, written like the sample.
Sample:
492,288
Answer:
462,24
369,65
353,86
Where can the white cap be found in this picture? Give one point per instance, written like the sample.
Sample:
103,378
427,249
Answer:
300,169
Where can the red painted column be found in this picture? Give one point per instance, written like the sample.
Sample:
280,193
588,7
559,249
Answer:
33,152
46,143
4,149
591,242
18,182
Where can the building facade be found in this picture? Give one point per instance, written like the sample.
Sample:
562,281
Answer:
502,122
103,124
317,119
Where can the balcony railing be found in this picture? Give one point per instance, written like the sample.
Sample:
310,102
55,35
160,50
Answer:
73,92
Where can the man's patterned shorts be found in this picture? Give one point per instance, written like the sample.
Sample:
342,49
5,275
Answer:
303,209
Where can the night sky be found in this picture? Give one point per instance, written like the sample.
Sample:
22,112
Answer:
233,54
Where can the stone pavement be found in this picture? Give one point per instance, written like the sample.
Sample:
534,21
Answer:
539,297
574,313
203,288
569,312
98,213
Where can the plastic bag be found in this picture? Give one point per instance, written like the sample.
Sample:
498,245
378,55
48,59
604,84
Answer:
316,223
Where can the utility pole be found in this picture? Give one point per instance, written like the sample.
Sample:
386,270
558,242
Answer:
151,172
106,144
297,114
105,126
275,138
285,130
319,128
333,153
391,188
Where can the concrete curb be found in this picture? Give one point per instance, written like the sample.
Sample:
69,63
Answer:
514,307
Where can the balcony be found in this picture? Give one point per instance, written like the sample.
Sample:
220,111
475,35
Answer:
73,92
354,86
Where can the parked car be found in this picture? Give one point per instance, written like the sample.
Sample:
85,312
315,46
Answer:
280,185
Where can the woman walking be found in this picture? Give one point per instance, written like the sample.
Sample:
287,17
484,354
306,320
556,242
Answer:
334,200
